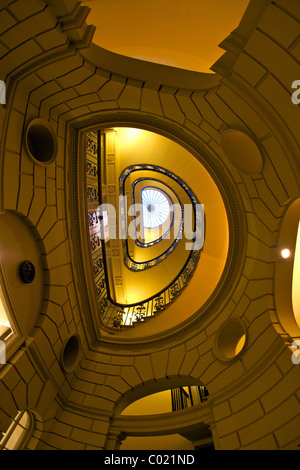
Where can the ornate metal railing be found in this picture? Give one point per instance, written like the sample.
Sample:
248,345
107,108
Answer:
117,315
95,219
145,245
188,396
197,211
112,314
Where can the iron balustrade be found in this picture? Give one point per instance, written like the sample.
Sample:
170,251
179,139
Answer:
198,217
185,397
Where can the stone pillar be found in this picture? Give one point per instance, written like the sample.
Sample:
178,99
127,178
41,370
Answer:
213,428
114,440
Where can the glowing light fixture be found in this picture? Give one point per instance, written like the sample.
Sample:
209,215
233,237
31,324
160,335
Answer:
285,253
131,133
156,208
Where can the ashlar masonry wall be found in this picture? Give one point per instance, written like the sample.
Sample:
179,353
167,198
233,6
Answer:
58,75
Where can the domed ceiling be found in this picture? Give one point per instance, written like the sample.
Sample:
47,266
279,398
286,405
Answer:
180,33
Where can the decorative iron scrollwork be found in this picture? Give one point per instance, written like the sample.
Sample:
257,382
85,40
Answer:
92,145
194,257
98,265
134,266
94,219
95,242
187,273
116,321
92,194
91,169
139,317
27,272
174,289
100,287
102,306
159,303
141,313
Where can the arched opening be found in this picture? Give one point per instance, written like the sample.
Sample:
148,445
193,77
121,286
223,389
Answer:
173,399
149,283
5,326
166,418
19,432
296,279
287,272
223,245
161,442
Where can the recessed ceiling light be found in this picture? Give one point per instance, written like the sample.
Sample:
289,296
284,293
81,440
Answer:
156,208
285,253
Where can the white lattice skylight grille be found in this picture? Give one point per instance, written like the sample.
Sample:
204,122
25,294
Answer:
156,208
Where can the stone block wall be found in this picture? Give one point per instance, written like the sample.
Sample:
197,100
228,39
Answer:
255,398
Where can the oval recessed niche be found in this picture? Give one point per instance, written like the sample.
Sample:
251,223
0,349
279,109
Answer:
287,272
40,142
27,272
230,339
242,151
71,353
23,270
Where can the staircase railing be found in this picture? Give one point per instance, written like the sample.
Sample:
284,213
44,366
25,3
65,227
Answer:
112,314
185,397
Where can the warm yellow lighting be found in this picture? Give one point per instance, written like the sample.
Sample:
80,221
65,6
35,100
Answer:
129,138
3,316
155,403
127,317
296,280
285,253
133,133
240,345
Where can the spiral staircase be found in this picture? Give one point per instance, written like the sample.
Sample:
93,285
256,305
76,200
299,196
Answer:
146,231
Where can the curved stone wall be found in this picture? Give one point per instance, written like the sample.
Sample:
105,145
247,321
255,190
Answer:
53,73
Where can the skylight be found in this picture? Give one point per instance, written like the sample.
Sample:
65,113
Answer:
156,208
